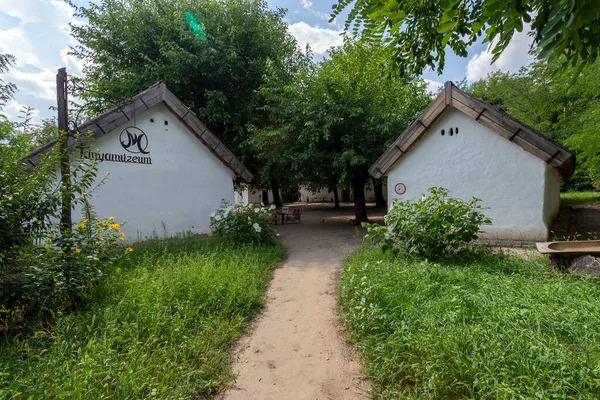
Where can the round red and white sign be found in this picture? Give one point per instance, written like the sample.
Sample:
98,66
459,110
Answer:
400,188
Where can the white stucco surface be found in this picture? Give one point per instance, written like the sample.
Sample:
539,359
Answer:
176,193
520,191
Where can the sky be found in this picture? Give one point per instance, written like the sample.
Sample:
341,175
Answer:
36,32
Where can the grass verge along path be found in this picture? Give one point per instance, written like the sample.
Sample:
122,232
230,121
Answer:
160,326
481,325
580,197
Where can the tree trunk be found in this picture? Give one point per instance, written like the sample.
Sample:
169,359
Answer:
276,194
336,197
378,189
360,205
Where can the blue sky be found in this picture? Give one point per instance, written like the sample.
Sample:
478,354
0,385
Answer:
37,33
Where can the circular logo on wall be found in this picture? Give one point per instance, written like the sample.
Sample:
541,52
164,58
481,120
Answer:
134,140
400,188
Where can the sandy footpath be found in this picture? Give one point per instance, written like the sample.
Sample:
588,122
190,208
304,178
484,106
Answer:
296,348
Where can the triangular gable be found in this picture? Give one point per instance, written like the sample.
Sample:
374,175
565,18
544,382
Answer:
150,97
492,117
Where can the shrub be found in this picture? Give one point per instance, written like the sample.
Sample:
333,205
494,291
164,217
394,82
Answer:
435,226
243,224
60,272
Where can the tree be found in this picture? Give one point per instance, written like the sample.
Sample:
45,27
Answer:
343,113
129,45
561,106
419,31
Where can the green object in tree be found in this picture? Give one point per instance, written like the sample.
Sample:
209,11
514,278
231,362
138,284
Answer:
196,25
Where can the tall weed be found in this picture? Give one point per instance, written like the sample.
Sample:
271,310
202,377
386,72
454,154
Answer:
479,325
161,325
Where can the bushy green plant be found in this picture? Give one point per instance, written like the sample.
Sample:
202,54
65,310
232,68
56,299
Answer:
434,226
243,224
160,325
61,270
479,325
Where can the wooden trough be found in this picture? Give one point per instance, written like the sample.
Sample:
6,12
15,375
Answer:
574,248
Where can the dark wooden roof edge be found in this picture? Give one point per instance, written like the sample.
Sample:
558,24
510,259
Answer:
155,94
493,117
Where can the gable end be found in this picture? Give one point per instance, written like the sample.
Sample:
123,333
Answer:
150,97
498,121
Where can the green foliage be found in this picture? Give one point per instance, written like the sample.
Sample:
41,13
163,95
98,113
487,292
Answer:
340,115
243,224
477,326
62,270
6,89
160,325
420,31
435,226
130,45
563,107
580,197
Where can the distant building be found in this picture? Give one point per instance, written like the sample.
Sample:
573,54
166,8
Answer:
475,149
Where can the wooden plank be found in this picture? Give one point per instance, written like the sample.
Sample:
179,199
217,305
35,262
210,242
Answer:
405,142
434,110
175,104
509,126
448,93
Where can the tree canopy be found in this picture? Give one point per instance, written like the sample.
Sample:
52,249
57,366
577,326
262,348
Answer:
557,105
341,115
421,30
130,45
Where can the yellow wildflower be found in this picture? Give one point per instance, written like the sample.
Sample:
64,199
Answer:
121,238
111,218
85,221
103,222
37,221
115,226
77,251
129,249
81,226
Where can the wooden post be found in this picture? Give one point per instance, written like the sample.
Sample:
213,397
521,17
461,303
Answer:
66,221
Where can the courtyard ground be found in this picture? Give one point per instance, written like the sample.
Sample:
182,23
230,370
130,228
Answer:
296,348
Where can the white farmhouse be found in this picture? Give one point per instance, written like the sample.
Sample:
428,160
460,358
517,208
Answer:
475,149
164,169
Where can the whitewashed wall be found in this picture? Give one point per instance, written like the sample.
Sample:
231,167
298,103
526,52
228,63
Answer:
255,196
180,188
520,190
322,195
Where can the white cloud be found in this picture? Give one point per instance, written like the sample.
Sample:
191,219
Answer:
40,43
515,56
320,39
306,3
13,112
37,84
74,65
16,42
433,87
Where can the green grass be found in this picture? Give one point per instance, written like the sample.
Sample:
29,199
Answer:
161,326
479,326
580,197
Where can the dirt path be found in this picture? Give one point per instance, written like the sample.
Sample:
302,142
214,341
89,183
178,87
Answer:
296,347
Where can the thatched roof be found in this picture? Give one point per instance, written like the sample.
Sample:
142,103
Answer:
127,110
492,117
